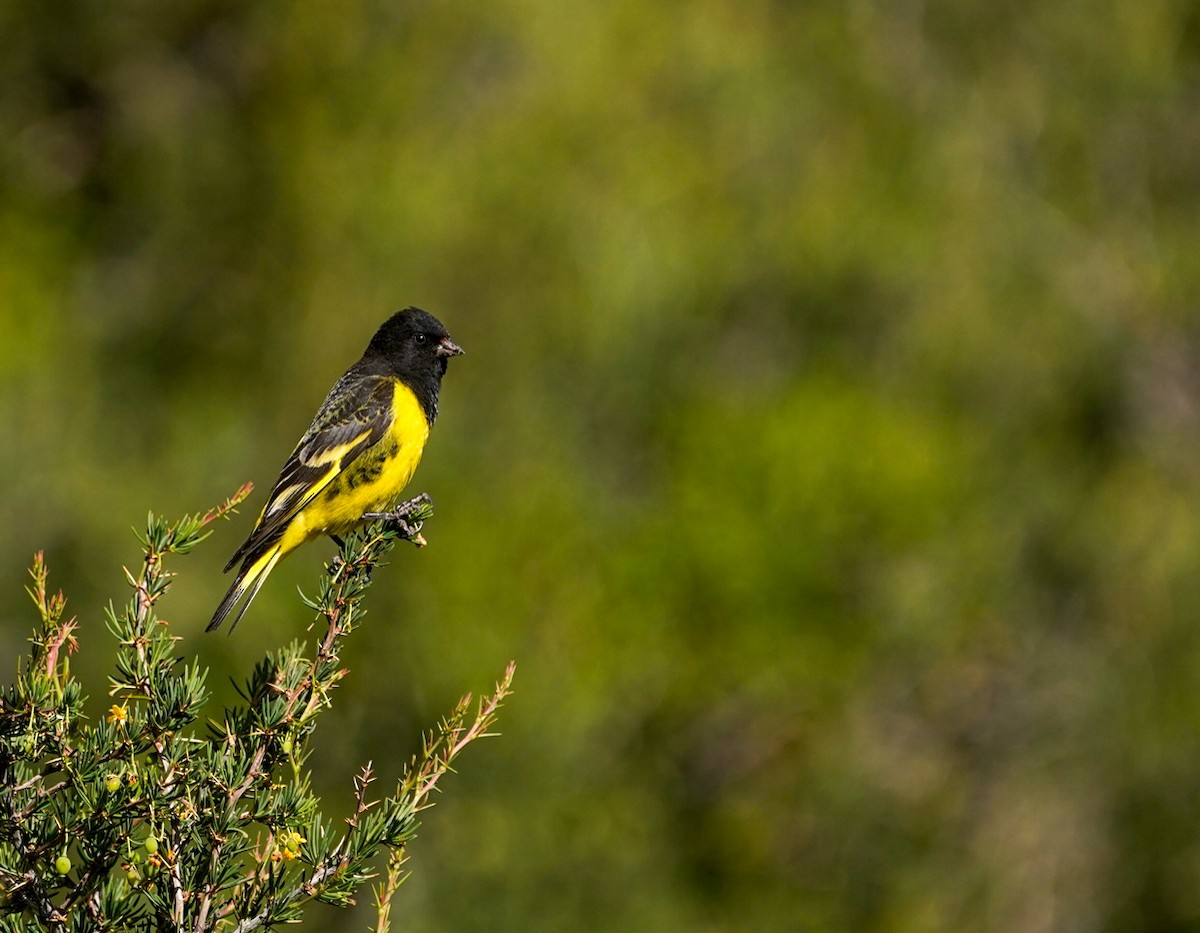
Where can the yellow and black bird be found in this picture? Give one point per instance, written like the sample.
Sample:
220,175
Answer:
357,455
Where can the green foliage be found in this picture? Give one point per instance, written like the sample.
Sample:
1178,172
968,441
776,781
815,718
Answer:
137,822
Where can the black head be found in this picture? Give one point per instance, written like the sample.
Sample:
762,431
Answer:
414,345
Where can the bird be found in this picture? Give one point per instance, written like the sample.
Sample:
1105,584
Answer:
357,455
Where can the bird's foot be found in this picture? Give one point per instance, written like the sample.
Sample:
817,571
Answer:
402,521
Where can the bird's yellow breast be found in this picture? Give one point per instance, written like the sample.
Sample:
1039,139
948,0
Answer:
372,482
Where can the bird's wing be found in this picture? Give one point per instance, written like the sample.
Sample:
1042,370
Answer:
355,416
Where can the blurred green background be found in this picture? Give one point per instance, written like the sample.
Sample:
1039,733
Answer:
827,450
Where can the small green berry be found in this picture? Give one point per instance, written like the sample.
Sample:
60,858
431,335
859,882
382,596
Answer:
150,845
112,783
62,865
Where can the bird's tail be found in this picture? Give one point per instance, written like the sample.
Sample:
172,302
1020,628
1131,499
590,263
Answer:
247,583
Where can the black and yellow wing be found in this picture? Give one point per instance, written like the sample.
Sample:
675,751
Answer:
354,417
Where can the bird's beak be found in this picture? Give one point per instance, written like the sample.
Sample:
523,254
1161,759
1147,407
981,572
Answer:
447,347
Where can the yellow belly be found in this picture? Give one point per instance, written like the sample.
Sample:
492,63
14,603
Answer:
372,483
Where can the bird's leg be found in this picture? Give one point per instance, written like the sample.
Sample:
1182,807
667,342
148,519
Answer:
398,518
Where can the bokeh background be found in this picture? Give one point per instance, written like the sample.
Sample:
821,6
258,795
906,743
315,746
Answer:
827,450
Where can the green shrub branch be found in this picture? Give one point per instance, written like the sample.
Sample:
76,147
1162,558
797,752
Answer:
144,821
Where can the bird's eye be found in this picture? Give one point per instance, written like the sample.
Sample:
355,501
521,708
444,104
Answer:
419,338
